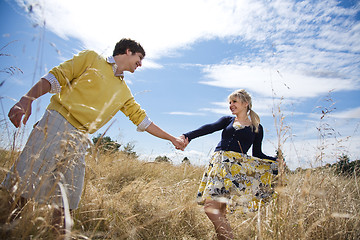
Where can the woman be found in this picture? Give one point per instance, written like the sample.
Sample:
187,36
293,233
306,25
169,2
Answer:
234,180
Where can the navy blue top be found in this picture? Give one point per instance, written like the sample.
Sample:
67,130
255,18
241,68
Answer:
237,140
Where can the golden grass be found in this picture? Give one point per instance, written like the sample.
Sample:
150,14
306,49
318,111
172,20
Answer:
125,198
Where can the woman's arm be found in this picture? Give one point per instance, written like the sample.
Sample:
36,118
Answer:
208,128
256,149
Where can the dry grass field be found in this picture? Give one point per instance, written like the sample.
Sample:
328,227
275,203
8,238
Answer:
125,198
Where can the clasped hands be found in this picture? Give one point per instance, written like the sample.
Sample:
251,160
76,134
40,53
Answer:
181,142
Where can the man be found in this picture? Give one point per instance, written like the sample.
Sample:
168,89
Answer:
89,91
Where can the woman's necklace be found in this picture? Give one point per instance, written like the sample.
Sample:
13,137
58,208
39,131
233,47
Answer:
241,124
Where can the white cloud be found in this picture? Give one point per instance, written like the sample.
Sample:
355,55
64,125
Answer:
146,63
264,106
351,113
306,36
186,113
260,106
266,81
222,111
160,25
308,49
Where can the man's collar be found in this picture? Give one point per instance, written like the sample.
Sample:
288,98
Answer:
111,60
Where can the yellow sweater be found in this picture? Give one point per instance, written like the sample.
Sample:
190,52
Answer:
90,93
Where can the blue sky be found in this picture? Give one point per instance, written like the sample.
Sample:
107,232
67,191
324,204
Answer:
302,57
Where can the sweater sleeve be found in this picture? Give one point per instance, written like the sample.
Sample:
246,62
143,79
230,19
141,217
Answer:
256,148
134,112
208,128
73,68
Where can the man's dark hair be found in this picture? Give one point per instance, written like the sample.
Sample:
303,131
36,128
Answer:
127,43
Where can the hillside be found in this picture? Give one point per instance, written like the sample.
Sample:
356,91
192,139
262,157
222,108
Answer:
125,198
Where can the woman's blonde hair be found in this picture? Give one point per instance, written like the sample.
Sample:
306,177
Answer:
245,97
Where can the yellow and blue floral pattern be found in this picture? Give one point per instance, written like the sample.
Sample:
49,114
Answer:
241,181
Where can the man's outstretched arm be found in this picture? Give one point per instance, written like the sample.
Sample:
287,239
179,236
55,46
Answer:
153,129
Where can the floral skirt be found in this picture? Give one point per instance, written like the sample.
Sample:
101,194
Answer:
242,182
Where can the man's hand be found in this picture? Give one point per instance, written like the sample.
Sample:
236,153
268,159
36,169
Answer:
21,108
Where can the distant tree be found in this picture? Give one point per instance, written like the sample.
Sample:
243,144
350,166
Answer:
345,167
162,159
355,167
106,144
343,164
299,170
185,161
344,159
128,149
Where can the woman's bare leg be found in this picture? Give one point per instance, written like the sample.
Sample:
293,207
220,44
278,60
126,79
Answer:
216,211
58,221
17,207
